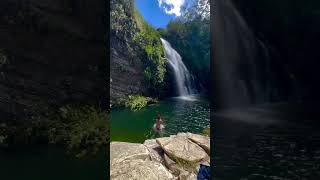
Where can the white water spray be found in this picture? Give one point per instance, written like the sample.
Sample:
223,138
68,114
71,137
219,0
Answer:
182,75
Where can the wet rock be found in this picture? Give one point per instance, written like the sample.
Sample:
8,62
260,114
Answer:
174,157
180,147
155,150
140,169
121,151
187,176
126,59
172,166
202,141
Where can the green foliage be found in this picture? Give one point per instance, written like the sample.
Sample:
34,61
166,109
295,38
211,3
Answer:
148,73
83,129
149,40
136,103
153,101
206,132
30,131
141,23
120,18
142,40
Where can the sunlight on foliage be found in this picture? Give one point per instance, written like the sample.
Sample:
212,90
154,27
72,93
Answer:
84,129
136,103
149,40
206,132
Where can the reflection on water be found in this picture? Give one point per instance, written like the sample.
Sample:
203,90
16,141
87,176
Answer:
179,115
49,163
286,148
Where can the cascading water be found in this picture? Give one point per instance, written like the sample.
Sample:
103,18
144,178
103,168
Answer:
243,66
246,70
182,75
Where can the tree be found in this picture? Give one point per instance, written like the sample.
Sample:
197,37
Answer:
196,9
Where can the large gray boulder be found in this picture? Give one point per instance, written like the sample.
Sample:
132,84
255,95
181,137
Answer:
155,150
181,148
187,176
175,157
140,169
173,166
121,151
202,141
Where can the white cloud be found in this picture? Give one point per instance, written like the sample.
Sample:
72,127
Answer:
171,6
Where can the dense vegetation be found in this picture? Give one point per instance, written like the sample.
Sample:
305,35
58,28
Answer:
188,34
206,132
135,102
128,24
149,39
83,130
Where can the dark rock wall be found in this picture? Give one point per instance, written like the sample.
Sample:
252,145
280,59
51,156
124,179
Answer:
126,59
126,72
56,55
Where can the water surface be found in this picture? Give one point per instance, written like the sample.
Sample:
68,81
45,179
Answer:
189,114
272,142
49,163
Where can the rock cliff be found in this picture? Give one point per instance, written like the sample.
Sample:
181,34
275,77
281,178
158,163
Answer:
53,52
126,61
175,157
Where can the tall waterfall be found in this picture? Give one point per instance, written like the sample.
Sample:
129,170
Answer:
181,74
245,71
240,63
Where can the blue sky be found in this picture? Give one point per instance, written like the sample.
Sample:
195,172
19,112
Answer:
159,12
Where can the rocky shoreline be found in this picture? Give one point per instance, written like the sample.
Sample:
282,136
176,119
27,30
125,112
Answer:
175,157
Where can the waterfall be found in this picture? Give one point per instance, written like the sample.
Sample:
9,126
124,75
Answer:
242,63
245,70
182,76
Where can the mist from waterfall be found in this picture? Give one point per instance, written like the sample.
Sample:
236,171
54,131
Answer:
182,75
246,69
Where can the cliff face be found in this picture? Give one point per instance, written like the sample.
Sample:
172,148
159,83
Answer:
55,54
126,72
126,59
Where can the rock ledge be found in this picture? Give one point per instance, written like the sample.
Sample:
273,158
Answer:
175,157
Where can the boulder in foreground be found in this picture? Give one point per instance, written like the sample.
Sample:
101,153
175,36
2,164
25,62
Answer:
168,158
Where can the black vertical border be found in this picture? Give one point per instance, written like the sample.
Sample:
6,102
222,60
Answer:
106,19
211,93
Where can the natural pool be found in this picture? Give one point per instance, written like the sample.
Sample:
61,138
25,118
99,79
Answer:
50,163
188,114
267,142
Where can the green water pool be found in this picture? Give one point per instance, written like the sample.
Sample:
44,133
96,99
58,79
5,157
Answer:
50,163
189,114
